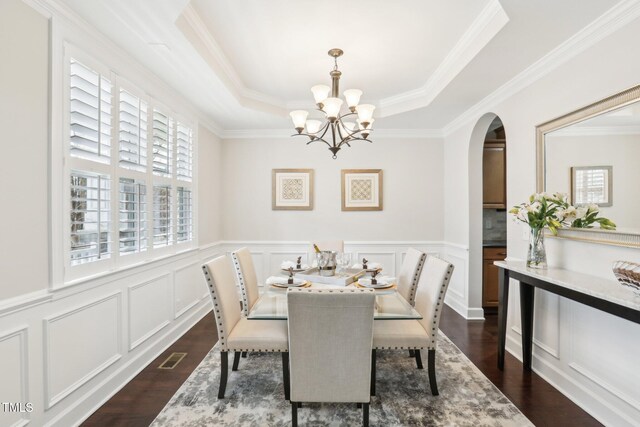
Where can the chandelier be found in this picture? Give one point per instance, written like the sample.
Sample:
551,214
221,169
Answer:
334,128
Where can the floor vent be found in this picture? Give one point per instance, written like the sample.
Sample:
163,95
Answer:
172,361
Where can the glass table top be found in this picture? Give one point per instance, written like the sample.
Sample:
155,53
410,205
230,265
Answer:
272,304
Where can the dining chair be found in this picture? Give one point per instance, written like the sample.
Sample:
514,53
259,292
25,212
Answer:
410,273
247,278
236,333
419,334
330,337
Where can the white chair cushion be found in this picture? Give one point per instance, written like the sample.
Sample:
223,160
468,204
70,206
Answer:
259,335
399,334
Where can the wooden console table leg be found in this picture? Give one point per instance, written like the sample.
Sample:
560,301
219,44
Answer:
503,301
527,293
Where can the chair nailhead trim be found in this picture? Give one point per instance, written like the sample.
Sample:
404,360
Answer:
243,286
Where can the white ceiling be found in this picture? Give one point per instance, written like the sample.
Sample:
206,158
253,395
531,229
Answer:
244,63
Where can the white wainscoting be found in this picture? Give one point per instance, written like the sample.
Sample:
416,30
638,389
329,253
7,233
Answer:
68,351
14,386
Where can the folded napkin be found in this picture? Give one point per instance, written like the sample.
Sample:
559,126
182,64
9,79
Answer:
276,280
382,280
370,265
291,264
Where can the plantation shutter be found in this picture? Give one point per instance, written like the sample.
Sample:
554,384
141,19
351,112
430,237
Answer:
90,114
162,143
184,155
90,217
133,132
185,215
162,231
133,216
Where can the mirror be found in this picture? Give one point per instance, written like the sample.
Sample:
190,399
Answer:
580,154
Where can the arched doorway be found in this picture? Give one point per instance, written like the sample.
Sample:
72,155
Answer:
485,129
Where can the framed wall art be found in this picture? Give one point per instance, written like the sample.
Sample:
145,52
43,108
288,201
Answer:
292,189
361,189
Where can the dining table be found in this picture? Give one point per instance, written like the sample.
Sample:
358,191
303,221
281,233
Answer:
389,305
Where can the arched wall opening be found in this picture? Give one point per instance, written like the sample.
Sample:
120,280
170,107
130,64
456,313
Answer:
485,124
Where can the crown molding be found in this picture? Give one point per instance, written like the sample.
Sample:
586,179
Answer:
484,28
286,133
611,21
215,57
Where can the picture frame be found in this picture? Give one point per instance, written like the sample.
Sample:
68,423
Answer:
292,189
362,190
592,184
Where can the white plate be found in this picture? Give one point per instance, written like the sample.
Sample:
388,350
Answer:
295,284
382,283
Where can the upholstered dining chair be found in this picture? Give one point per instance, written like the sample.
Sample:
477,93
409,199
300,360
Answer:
410,273
330,337
419,334
236,333
247,278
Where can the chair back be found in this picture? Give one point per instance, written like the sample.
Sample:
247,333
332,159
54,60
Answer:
330,339
329,245
247,278
432,287
224,297
410,273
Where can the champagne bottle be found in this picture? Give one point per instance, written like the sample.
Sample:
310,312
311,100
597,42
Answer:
316,248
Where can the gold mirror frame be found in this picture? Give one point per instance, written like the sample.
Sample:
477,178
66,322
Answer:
594,235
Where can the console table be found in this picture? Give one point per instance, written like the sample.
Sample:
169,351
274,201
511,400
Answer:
606,295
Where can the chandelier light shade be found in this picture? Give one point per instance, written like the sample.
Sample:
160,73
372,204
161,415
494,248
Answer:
334,130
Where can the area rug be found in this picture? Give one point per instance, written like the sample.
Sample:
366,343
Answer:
255,395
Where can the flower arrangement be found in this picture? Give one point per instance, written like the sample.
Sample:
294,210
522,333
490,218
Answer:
554,211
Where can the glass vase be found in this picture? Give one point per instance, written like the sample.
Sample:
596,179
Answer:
537,255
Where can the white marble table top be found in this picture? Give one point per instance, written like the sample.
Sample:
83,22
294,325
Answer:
605,289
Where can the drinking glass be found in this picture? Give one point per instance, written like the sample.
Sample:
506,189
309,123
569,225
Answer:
344,259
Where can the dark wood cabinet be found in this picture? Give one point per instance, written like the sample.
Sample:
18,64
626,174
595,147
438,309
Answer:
494,174
490,275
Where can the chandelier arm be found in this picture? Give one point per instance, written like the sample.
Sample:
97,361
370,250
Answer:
361,139
333,133
324,129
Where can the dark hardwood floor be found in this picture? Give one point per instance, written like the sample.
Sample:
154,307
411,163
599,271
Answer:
138,403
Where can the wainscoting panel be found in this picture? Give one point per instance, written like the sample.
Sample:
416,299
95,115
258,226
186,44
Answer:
14,378
188,287
149,308
79,344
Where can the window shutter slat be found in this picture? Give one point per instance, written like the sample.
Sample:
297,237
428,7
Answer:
133,216
184,153
162,143
162,224
133,132
185,215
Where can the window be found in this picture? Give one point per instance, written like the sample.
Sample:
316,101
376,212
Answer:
162,235
133,216
90,217
90,114
129,171
185,215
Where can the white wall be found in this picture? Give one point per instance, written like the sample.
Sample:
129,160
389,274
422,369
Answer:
413,191
585,353
24,112
68,349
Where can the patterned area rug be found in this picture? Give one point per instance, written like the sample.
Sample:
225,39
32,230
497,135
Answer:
255,395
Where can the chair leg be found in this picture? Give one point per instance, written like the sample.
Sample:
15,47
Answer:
365,414
244,354
294,414
418,358
299,404
411,354
358,405
285,374
224,365
432,371
236,360
373,372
